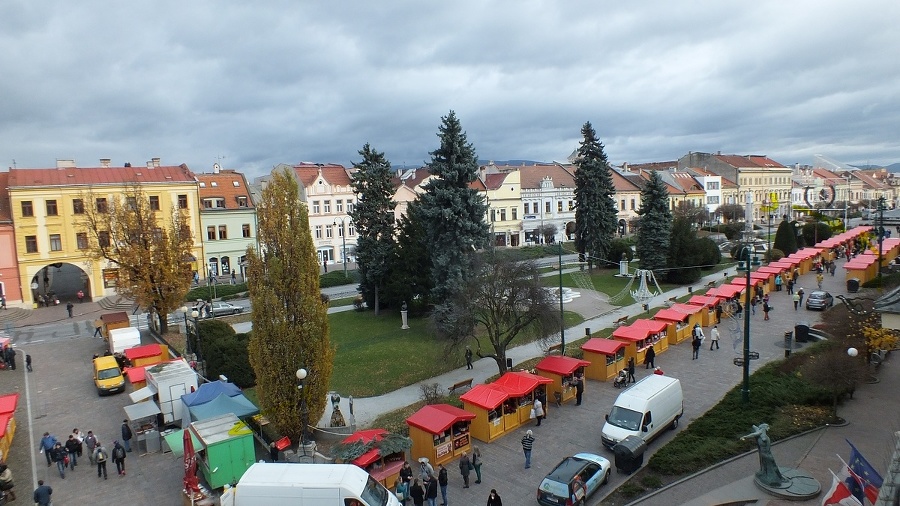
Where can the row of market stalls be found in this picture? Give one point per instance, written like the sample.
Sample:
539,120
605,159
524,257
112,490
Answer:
8,404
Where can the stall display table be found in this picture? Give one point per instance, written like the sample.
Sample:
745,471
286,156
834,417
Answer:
561,370
522,387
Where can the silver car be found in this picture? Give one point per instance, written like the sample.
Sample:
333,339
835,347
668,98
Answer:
220,309
819,300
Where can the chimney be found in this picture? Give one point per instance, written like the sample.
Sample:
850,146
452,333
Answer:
625,167
104,162
216,168
65,164
155,162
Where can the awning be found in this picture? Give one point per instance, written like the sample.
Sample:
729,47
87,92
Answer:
141,410
175,440
143,393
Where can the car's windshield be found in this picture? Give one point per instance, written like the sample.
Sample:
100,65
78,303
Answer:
109,373
625,418
375,493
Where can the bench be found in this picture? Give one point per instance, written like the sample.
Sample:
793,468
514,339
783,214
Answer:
556,348
621,321
466,383
711,284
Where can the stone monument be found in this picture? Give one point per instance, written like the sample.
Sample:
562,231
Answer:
784,482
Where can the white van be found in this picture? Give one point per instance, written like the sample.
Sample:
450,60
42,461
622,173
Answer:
644,410
123,338
277,484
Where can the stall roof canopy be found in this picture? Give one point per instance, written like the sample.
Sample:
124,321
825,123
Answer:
485,396
520,383
436,418
654,326
166,371
4,423
209,391
117,317
604,346
221,428
147,350
175,441
141,410
365,436
671,315
686,308
9,402
632,333
558,364
703,301
222,405
772,269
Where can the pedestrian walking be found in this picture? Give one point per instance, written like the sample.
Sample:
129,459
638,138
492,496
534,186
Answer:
790,287
80,296
431,491
796,298
406,474
819,279
766,309
778,282
100,457
527,445
46,447
42,494
718,313
90,441
11,358
69,308
832,268
28,363
72,445
697,341
98,328
469,358
538,409
401,488
6,481
443,481
801,293
80,438
649,358
738,309
630,378
465,467
494,499
476,463
714,337
3,302
417,493
425,469
127,435
59,456
578,379
753,306
118,456
273,452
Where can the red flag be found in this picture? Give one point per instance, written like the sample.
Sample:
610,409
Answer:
839,494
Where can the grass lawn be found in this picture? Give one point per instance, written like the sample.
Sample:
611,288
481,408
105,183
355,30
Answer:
375,356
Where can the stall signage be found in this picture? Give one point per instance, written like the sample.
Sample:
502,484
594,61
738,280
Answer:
461,442
440,451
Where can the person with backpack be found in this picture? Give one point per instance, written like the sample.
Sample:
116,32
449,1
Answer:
697,341
100,456
118,456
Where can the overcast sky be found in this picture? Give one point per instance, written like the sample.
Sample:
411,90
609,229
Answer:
259,83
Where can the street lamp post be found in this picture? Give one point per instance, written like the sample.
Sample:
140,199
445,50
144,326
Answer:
880,231
344,240
304,413
193,355
747,356
562,322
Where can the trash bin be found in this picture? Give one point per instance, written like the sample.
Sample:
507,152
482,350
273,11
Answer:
630,454
853,285
801,332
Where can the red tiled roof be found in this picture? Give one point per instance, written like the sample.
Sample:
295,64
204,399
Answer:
228,185
73,176
494,181
750,161
623,184
413,177
5,212
532,175
332,173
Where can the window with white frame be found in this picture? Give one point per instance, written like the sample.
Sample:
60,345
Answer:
350,230
327,207
318,231
315,207
329,231
339,206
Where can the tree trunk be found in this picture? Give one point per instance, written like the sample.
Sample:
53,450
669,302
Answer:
377,303
163,323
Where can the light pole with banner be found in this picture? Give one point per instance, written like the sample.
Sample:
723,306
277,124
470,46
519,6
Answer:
344,241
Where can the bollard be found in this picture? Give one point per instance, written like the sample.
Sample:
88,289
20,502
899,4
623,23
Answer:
788,337
587,332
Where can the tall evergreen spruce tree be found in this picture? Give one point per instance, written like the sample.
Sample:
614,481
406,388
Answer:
290,324
595,209
453,212
373,217
786,238
654,224
410,279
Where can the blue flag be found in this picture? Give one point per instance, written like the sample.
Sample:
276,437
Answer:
867,475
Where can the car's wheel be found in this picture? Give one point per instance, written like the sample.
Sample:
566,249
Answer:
674,424
606,478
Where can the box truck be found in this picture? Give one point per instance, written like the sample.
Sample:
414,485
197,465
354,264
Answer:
644,410
277,484
123,338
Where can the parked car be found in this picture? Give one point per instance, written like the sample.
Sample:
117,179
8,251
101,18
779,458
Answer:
574,479
819,300
220,309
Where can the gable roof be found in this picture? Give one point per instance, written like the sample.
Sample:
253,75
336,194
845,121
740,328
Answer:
228,185
494,181
83,176
624,184
750,161
410,178
532,175
333,173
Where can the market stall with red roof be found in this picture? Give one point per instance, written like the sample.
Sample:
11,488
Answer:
709,304
679,319
148,354
439,432
383,468
660,330
522,387
8,404
488,403
561,370
694,312
725,292
607,357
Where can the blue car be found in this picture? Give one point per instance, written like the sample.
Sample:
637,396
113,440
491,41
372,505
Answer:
573,480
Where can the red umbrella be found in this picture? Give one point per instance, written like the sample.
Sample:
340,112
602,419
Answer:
191,483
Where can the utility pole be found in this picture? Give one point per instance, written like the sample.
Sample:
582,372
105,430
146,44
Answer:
562,322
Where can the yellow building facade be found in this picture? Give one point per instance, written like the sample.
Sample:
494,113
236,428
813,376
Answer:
52,241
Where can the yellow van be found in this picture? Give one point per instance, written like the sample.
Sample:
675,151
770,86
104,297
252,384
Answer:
107,376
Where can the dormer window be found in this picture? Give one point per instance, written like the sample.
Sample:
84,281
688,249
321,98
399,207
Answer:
242,201
214,184
214,203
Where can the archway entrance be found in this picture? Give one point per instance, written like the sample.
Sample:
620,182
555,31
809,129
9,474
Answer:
62,281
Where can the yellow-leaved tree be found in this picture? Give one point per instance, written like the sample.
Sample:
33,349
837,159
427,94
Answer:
290,321
153,253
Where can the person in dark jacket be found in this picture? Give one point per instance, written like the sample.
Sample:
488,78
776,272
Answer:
649,357
118,456
127,435
465,467
72,446
58,455
46,446
431,492
42,494
494,499
406,473
442,483
417,493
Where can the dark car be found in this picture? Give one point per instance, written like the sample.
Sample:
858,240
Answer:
819,300
573,480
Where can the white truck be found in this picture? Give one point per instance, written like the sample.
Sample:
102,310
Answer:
644,410
123,338
276,484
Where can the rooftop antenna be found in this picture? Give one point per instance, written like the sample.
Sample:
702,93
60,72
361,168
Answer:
14,163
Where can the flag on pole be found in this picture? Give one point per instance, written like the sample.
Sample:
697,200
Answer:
866,474
852,481
839,494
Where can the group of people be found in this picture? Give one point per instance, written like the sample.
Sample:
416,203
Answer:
65,454
427,484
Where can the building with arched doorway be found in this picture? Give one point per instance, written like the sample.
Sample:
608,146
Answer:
227,223
52,240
